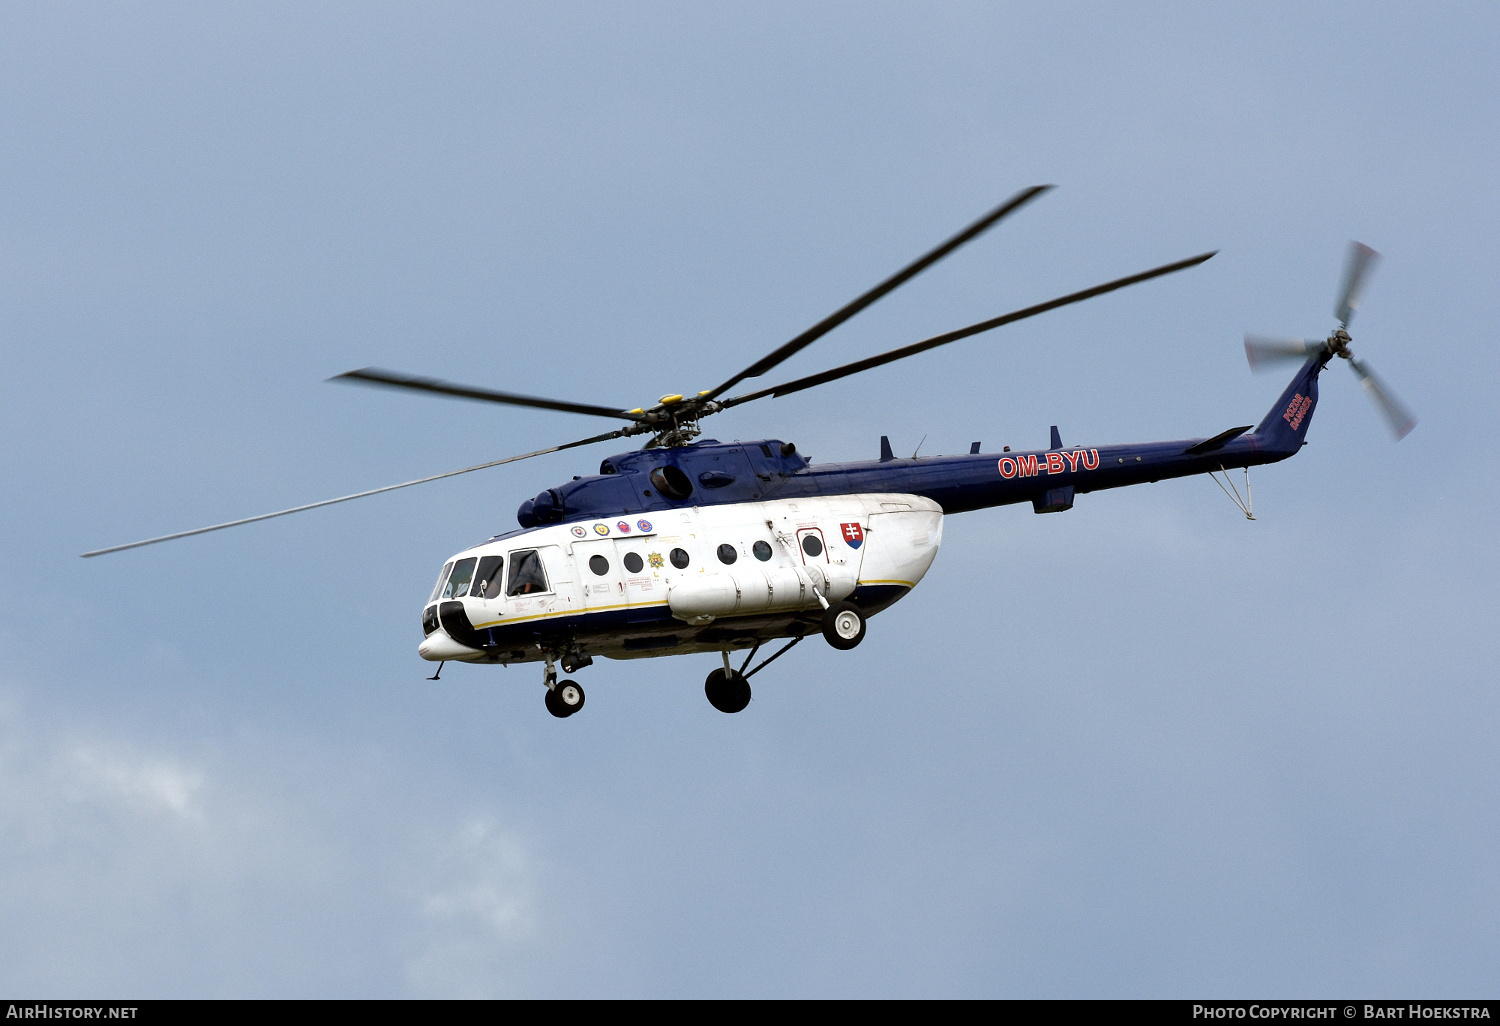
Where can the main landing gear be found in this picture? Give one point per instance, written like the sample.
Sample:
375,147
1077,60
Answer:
728,690
843,625
564,697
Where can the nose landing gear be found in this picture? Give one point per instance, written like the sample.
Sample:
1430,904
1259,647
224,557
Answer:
564,698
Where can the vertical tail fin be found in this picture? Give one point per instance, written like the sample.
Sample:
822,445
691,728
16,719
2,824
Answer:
1286,424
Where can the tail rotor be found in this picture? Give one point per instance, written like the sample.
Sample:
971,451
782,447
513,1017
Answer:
1396,414
1262,351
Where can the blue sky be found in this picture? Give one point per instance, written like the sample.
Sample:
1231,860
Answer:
1144,748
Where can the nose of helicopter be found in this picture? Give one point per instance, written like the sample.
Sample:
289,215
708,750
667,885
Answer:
438,647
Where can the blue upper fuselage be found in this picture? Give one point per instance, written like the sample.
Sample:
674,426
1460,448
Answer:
712,473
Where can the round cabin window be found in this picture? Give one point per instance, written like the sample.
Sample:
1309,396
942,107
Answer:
633,562
599,565
762,551
728,553
812,545
679,558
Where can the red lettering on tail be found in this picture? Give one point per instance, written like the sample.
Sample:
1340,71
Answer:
1297,409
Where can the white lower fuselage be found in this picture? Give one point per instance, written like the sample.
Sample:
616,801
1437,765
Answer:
708,578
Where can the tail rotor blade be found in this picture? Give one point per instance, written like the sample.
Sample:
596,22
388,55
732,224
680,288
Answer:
1395,412
1356,270
1262,350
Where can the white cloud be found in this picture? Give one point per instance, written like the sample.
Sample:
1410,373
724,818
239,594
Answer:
480,909
246,868
145,783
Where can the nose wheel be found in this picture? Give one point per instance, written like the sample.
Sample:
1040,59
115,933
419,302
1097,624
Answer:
565,699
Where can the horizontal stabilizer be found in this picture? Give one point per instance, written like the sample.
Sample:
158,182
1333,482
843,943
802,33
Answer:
1218,441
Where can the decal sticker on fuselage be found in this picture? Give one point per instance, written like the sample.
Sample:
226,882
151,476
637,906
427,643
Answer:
1032,465
1297,409
854,535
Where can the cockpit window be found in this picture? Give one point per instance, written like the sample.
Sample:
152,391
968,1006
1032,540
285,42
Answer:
526,574
442,576
458,580
487,578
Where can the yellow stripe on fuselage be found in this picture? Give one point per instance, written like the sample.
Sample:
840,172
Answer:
567,612
623,605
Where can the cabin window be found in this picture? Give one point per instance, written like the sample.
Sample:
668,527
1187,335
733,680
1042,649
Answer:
672,482
458,580
438,587
487,578
812,545
526,574
762,551
728,553
633,562
679,558
599,565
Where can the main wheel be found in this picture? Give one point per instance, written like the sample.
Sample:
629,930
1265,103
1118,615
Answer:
843,625
728,693
569,696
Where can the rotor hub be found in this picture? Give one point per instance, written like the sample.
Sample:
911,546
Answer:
1338,344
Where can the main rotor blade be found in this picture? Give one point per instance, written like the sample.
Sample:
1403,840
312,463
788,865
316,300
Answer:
901,277
973,329
1356,269
1261,350
1396,414
357,495
390,379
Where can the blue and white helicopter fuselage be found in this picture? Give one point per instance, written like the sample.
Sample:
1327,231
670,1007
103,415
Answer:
713,547
699,546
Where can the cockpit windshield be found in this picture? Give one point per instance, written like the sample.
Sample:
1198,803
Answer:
442,578
487,578
458,580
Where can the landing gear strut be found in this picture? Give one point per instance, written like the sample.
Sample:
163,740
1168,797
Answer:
564,697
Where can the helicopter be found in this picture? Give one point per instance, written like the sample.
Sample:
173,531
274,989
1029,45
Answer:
692,545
